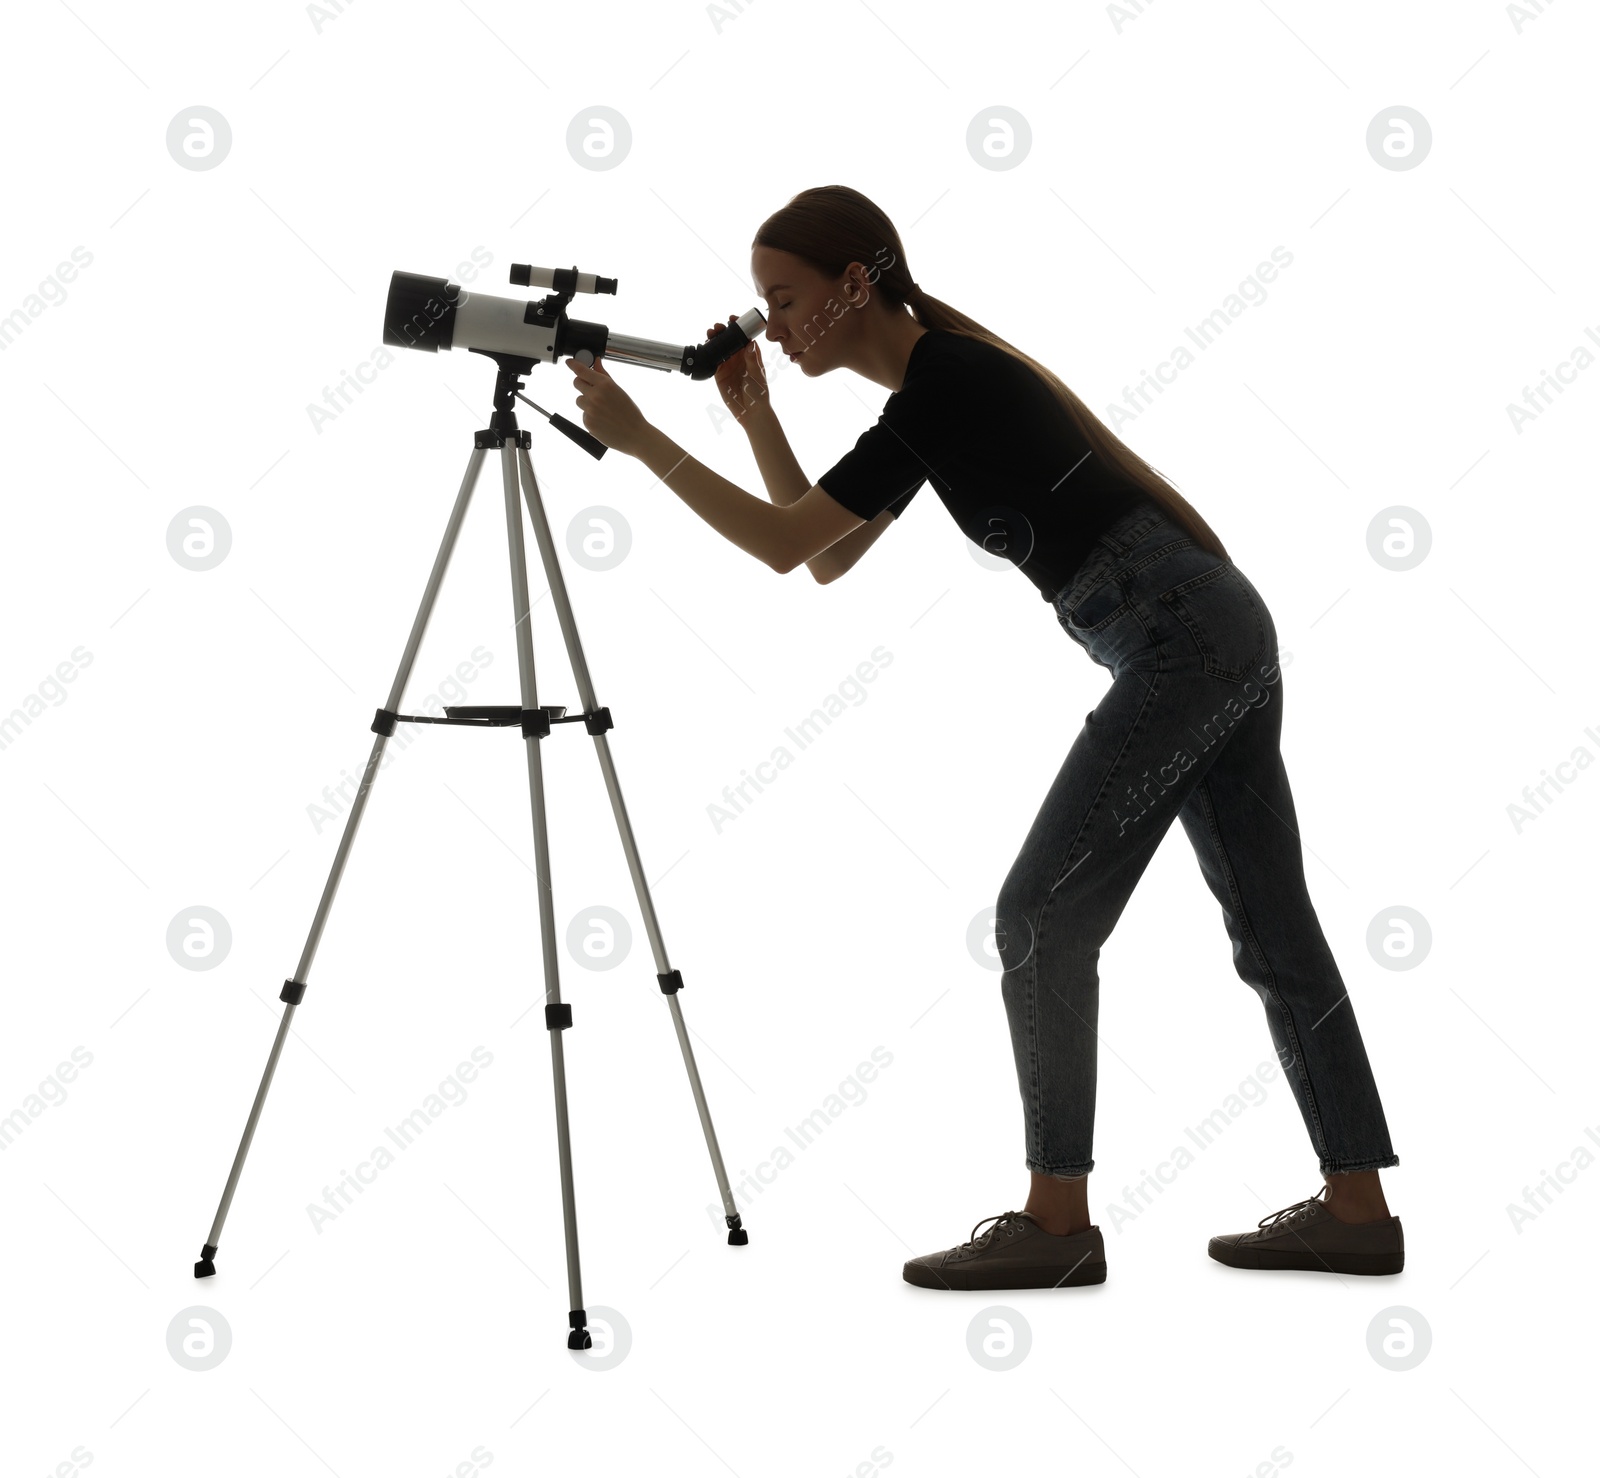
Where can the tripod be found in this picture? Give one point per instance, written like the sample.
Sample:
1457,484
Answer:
535,721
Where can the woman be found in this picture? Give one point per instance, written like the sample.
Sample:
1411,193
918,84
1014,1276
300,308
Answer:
1189,727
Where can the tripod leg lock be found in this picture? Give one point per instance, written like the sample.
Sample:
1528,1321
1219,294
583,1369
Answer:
558,1017
384,722
536,723
598,721
294,991
671,982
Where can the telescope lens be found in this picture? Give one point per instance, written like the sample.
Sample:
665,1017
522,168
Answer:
421,312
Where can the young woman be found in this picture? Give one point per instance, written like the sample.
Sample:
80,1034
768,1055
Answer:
1188,728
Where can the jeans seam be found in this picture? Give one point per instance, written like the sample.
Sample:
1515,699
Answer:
1117,569
1038,942
1111,771
1074,1173
1109,552
1203,789
1172,546
1036,1096
1372,1162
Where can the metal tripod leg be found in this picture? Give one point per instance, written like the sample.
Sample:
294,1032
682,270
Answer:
294,990
670,980
557,1017
516,471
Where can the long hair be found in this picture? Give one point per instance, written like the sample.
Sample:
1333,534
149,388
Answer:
831,226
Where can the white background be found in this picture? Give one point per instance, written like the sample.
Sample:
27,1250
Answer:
422,1330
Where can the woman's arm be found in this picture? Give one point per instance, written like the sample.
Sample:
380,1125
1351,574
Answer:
781,536
787,484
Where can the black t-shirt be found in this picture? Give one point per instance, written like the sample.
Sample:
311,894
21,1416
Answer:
1002,454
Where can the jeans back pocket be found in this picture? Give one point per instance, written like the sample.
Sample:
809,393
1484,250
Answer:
1219,610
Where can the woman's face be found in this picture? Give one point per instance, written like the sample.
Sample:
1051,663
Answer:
808,314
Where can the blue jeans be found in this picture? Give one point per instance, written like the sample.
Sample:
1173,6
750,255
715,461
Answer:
1189,728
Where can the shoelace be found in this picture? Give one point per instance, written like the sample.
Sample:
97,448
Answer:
1010,1220
1290,1215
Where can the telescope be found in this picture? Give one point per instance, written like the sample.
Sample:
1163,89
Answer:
434,313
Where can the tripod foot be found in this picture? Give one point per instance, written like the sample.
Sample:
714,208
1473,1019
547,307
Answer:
206,1268
579,1338
737,1236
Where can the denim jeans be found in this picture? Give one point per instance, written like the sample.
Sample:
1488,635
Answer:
1188,728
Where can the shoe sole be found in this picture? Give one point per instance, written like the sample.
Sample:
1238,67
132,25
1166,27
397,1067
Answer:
1268,1259
962,1279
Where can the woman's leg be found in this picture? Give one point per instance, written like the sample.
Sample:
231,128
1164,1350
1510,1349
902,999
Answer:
1241,821
1060,1204
1356,1195
1060,900
1124,781
1190,727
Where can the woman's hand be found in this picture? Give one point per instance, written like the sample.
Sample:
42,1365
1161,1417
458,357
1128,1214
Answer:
742,379
608,410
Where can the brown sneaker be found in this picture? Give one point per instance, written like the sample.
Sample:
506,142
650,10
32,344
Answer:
1015,1252
1311,1239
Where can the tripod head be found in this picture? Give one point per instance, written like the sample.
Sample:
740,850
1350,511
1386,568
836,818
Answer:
508,390
434,313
